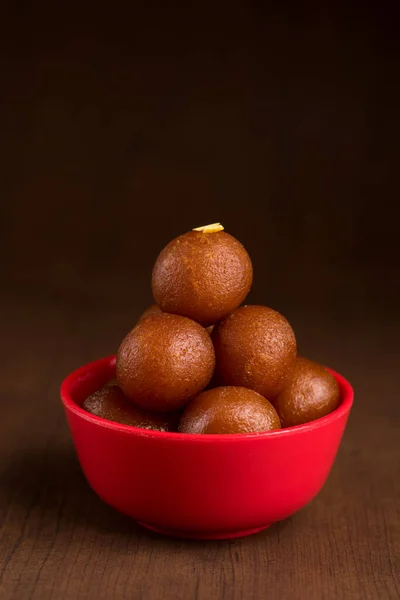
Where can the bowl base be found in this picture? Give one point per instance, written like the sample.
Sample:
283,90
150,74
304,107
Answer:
223,535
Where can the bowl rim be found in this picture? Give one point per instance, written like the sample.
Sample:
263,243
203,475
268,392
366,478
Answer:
346,389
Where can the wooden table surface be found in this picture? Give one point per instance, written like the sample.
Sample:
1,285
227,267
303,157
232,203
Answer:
123,127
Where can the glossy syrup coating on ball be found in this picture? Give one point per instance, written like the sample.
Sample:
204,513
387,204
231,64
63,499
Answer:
229,409
164,361
255,347
203,276
111,403
153,309
311,393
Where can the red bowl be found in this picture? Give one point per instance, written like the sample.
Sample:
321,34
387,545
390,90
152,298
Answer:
200,486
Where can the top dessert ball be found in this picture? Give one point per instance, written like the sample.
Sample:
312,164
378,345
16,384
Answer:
203,274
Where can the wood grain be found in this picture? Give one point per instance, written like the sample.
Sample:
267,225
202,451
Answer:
121,128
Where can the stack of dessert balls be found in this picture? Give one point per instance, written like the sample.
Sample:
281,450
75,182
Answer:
199,362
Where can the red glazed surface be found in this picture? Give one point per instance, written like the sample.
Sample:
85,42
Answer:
204,486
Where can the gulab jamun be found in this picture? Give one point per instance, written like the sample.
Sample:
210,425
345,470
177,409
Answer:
164,361
311,393
229,409
153,309
203,274
255,347
111,403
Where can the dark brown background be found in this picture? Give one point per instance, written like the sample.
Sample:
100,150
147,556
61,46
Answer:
121,128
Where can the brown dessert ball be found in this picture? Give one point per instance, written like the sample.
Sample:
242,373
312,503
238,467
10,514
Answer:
311,393
203,276
229,410
255,347
164,361
153,309
111,403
